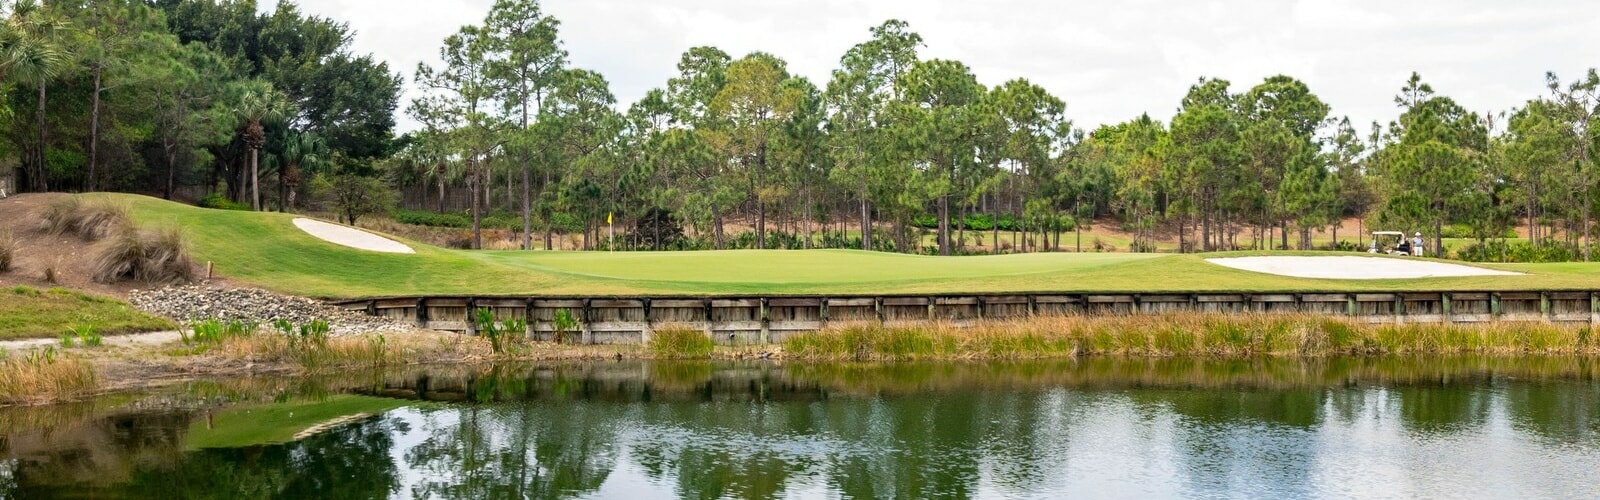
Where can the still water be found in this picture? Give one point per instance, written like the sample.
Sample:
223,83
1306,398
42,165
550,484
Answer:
1102,428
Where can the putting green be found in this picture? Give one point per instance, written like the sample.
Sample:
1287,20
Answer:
267,250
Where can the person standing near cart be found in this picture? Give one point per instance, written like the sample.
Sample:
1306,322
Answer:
1416,245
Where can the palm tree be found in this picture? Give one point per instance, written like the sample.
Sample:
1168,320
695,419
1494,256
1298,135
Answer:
301,151
258,102
30,52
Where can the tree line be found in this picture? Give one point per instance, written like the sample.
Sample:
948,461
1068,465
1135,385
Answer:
160,95
133,95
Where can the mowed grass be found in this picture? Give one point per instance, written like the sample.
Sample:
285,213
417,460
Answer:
265,249
27,312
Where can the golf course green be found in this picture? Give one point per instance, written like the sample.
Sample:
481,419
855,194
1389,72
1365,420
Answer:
267,250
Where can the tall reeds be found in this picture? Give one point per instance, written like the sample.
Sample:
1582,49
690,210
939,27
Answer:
43,376
674,342
1183,335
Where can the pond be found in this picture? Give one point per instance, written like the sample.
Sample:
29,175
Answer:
1465,427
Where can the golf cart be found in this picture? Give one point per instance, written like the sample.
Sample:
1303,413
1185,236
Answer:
1390,242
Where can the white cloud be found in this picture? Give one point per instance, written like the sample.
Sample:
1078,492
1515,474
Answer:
1109,60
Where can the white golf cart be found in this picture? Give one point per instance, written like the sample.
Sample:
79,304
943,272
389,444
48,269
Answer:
1392,243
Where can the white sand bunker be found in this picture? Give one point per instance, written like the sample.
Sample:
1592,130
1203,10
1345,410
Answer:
1353,268
351,237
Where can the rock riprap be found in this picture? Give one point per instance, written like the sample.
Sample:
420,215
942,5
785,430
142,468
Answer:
201,302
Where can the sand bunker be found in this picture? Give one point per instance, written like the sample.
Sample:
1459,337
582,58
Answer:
351,237
1353,268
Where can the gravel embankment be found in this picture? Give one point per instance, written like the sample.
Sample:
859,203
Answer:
199,302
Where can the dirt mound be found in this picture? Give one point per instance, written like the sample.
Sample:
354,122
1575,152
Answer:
67,257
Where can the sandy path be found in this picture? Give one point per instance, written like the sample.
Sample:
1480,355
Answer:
351,237
1353,268
131,340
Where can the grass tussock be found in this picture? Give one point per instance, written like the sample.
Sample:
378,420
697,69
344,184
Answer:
158,256
43,376
91,221
8,250
349,351
674,342
1184,335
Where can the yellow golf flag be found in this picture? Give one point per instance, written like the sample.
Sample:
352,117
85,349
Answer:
608,217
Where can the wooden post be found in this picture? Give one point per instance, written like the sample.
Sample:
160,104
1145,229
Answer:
1033,305
211,267
372,307
649,323
528,319
1544,307
1495,308
1299,303
422,312
1448,315
982,308
706,311
1138,305
766,326
877,305
1351,307
1194,302
588,319
932,316
472,317
822,313
1594,308
1248,302
1399,309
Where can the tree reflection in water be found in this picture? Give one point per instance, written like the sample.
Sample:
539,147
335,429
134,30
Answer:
1274,428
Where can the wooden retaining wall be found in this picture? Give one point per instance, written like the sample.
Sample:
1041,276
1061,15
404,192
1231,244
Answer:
765,320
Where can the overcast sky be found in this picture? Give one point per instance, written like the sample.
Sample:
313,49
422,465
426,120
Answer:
1110,61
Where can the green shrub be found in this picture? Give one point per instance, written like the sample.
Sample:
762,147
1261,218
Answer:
680,343
1520,251
432,219
220,202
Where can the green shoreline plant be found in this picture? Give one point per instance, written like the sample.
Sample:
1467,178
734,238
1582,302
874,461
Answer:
1205,335
676,342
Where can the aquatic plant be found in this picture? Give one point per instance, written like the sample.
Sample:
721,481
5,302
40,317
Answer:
674,342
488,328
564,322
214,331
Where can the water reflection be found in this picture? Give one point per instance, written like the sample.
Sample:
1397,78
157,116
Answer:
1450,427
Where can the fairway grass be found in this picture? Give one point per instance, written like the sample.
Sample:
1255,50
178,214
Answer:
265,249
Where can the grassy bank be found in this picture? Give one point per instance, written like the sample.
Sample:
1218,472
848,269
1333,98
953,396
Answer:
1184,335
27,312
266,249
